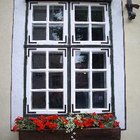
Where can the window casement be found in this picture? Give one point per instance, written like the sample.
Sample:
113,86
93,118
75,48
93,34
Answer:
91,80
64,75
89,24
46,86
47,23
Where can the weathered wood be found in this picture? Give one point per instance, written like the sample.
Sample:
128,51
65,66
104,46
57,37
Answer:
81,134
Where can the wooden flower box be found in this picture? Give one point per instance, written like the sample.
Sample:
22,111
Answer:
81,134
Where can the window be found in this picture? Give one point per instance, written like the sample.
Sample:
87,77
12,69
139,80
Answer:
62,79
47,23
68,57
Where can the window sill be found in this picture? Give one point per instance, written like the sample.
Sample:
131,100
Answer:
81,134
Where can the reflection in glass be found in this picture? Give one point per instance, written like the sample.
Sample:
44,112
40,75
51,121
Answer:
82,80
56,13
56,32
55,60
55,80
39,32
39,13
98,60
99,99
38,60
81,60
98,32
81,32
81,13
38,80
97,14
82,100
99,80
38,100
56,100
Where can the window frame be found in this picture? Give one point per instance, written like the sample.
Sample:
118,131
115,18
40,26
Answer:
108,88
20,42
107,40
47,70
30,40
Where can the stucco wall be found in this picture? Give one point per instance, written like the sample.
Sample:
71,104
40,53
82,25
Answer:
132,54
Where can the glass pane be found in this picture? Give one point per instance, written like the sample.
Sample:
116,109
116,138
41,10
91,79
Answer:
99,80
98,60
82,60
39,13
38,60
55,80
55,60
38,100
82,100
81,13
81,32
82,80
39,32
56,100
38,80
99,99
98,33
56,32
56,13
97,14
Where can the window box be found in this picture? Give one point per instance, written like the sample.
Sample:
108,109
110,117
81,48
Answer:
81,134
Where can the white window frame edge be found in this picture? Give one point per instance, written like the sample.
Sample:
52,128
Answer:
108,80
119,62
28,82
17,89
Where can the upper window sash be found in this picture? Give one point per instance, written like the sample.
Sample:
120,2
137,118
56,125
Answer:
90,24
47,23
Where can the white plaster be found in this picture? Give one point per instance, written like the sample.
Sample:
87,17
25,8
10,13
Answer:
18,59
118,52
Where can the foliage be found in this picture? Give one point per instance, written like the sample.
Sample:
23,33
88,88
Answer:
69,123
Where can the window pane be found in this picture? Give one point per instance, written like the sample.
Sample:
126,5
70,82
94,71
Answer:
56,13
39,13
82,80
56,32
38,100
81,32
55,80
38,80
82,100
56,100
99,80
82,60
98,60
98,32
97,14
55,60
39,32
38,60
99,99
81,13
